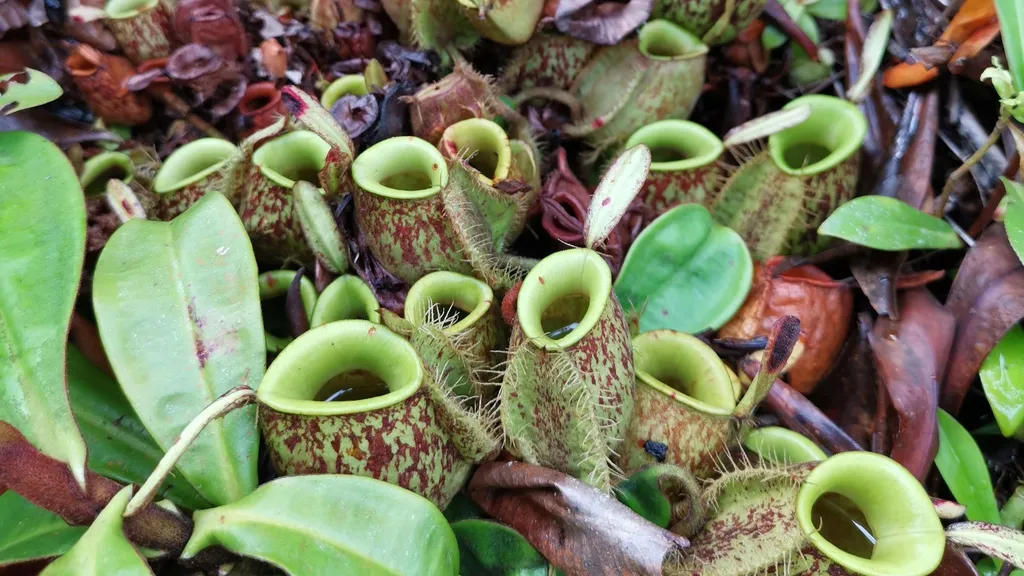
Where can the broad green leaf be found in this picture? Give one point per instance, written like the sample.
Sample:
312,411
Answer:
1013,218
963,468
1002,377
487,548
119,446
1011,29
886,223
178,310
617,189
32,533
38,89
836,9
685,272
103,550
332,524
42,246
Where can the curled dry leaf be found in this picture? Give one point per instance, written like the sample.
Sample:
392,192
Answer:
275,59
606,23
987,298
824,307
355,113
576,527
911,354
849,392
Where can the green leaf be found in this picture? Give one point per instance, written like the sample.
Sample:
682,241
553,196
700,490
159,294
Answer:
1013,218
642,493
836,9
332,524
1011,28
685,272
963,468
38,89
886,223
178,310
487,548
463,508
42,246
119,446
1002,378
32,533
103,549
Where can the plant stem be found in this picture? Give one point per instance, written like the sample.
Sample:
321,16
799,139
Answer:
994,199
235,398
1004,120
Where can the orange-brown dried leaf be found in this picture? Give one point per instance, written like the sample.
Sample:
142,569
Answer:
824,307
972,17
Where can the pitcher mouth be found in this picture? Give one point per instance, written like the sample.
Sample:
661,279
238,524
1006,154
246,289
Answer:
444,294
664,40
834,132
346,298
296,376
682,367
403,168
484,146
101,168
299,155
550,287
908,537
694,144
193,162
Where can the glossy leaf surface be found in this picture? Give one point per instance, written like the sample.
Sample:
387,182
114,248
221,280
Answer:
119,446
685,272
177,306
103,550
885,223
30,532
1002,377
962,466
487,548
332,524
42,247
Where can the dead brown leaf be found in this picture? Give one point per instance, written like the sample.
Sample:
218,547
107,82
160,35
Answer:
910,355
576,527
